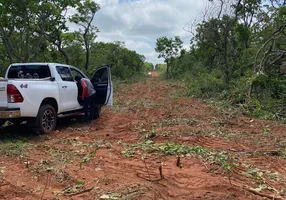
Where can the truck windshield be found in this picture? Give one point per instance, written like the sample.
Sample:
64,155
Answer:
29,71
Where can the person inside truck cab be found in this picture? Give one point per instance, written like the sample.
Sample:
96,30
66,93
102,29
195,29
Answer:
88,95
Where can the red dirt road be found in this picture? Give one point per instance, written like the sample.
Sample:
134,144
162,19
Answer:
116,157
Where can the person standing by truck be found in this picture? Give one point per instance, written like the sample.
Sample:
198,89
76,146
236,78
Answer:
88,96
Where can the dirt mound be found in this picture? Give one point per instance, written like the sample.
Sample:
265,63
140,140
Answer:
154,143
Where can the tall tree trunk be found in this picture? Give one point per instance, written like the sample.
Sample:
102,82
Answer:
62,52
227,75
87,58
39,44
87,41
65,55
167,69
87,49
27,39
59,45
233,48
233,42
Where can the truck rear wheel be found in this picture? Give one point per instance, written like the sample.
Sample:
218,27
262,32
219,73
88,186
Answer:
46,119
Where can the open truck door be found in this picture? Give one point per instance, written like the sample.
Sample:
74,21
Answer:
102,83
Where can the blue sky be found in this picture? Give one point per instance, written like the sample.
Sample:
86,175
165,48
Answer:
139,23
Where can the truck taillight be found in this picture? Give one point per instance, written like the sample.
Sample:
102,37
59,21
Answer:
13,94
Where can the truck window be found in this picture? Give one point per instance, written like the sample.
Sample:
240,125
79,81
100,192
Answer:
101,75
76,73
65,73
29,71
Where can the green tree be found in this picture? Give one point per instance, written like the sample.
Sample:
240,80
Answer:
124,63
148,67
214,37
246,49
27,25
161,68
73,46
17,20
84,18
168,49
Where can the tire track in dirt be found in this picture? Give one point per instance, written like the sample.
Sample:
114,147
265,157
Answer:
209,142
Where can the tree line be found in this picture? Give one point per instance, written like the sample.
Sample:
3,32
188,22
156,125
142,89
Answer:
38,31
237,53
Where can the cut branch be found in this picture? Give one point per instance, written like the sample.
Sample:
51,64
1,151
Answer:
273,37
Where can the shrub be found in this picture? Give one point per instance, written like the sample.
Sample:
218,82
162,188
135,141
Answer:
205,84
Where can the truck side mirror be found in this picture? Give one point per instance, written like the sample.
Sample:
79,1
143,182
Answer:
52,79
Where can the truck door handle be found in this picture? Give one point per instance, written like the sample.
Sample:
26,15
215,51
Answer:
64,86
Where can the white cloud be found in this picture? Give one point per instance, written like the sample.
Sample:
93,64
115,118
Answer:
140,22
104,3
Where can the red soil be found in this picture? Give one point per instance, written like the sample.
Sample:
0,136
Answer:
50,166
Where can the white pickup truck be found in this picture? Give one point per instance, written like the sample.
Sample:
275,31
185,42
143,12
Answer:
38,93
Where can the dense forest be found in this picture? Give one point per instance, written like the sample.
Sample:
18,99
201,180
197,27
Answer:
237,48
237,54
38,31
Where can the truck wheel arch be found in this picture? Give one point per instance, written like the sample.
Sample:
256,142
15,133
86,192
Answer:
51,101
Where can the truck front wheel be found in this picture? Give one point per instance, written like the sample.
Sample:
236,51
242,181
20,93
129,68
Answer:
46,119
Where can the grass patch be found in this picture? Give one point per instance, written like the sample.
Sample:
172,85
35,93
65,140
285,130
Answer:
173,149
224,109
151,134
128,153
14,148
221,158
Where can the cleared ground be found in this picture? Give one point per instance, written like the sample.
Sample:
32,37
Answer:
152,144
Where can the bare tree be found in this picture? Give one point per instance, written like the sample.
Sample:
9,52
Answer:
212,9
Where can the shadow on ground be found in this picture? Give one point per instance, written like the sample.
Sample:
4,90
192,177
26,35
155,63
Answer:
14,132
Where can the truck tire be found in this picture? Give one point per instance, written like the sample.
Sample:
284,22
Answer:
46,119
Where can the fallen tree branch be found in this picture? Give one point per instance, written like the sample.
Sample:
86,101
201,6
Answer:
46,184
269,152
263,194
205,166
259,193
81,192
